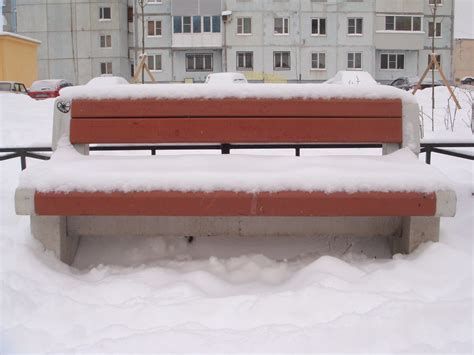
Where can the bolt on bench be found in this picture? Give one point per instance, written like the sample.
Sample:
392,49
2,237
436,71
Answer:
393,195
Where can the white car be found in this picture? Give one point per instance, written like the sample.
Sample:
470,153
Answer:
226,78
107,81
355,77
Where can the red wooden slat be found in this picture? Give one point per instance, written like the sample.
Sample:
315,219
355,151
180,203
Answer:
225,203
143,108
236,130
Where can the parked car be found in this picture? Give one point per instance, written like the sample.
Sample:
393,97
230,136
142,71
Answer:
409,83
14,87
226,78
467,80
352,77
107,81
43,89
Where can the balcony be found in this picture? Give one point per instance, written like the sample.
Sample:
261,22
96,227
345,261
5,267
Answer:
400,6
197,40
403,40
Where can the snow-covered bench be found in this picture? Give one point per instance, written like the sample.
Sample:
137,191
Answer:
393,195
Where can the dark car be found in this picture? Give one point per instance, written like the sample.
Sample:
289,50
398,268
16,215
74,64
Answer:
12,86
406,83
468,80
43,89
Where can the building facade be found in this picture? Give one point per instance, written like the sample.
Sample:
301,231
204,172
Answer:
268,40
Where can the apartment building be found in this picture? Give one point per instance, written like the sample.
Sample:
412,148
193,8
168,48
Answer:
268,40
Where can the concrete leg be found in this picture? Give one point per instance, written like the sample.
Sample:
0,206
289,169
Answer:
52,233
414,231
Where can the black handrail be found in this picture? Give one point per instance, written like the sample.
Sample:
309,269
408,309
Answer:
225,148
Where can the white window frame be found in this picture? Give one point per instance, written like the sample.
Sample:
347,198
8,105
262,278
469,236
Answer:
102,13
105,37
244,68
403,31
319,26
154,2
108,68
285,25
154,28
439,60
355,33
154,56
281,53
241,26
318,68
194,55
396,61
434,29
432,2
354,60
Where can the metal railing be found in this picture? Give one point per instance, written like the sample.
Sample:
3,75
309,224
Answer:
428,148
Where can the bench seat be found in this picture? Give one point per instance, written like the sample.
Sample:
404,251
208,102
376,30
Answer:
234,185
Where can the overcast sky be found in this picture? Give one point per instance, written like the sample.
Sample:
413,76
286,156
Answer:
463,19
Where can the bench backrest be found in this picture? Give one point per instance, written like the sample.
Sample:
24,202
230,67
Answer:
229,120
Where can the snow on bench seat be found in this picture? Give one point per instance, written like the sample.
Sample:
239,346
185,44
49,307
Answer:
73,184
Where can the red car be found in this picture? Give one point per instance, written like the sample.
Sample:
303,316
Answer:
43,89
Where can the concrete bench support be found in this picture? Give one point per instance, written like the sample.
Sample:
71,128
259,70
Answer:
415,231
52,232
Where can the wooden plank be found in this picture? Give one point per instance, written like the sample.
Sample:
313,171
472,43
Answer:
225,203
236,130
144,108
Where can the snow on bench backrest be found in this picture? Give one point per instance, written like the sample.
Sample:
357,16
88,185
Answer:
258,113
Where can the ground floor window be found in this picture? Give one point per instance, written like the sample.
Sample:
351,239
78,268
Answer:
106,68
281,60
438,59
199,62
154,62
392,61
244,60
318,60
354,60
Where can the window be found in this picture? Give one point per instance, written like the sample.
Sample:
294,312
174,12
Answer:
244,61
186,24
354,26
281,26
318,61
318,26
106,68
177,24
392,61
105,14
198,62
154,2
402,23
354,60
154,62
434,31
244,25
216,24
206,24
105,41
154,28
438,59
196,24
437,2
281,60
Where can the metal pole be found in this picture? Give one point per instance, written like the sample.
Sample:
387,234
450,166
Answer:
142,5
432,65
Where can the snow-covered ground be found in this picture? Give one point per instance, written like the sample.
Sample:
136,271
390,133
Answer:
232,294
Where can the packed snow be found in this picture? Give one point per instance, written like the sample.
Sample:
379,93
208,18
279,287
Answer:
348,77
106,81
283,91
70,171
231,294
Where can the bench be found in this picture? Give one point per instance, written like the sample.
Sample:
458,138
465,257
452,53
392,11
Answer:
76,194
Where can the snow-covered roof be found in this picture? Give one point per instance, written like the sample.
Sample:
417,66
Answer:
15,35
